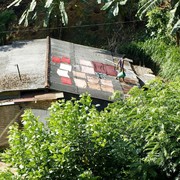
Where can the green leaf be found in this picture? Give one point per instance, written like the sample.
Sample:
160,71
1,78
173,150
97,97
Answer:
15,3
107,5
48,3
32,6
123,2
176,27
63,13
23,17
46,20
116,9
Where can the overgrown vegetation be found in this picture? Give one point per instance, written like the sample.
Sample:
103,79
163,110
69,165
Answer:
155,53
156,48
7,175
137,138
6,19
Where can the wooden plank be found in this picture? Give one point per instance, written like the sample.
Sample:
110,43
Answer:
49,96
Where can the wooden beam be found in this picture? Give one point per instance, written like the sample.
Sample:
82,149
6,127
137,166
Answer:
47,63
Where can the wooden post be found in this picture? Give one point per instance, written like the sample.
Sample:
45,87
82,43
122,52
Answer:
18,72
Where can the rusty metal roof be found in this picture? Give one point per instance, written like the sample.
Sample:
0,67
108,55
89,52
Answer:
23,65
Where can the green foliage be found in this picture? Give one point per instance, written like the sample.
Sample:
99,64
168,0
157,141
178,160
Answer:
147,6
171,17
176,27
45,9
113,5
28,151
79,142
174,22
150,121
137,138
157,22
7,175
6,18
167,56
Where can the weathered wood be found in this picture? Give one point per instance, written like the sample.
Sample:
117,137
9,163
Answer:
6,128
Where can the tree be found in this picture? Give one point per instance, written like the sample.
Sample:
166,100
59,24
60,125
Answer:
137,138
172,7
113,5
43,8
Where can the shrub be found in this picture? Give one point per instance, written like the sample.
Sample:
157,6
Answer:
156,54
135,138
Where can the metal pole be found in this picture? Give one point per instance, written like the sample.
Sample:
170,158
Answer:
18,72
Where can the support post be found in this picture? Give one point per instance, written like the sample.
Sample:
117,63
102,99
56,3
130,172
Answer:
18,72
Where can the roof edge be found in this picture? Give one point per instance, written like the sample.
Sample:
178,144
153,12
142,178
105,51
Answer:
47,63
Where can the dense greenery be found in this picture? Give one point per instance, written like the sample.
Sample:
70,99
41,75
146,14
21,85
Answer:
137,138
7,175
155,53
6,19
45,8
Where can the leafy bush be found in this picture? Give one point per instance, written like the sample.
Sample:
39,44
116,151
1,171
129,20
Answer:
79,143
137,138
167,56
7,175
151,123
157,21
134,51
156,54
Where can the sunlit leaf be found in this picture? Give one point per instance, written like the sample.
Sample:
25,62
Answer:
116,9
107,5
15,3
48,3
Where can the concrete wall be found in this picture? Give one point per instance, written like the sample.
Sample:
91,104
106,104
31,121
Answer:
9,113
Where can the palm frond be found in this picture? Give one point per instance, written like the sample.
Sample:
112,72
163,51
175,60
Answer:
176,27
147,6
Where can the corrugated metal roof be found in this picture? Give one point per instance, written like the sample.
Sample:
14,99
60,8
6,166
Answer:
144,74
30,58
62,66
72,70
